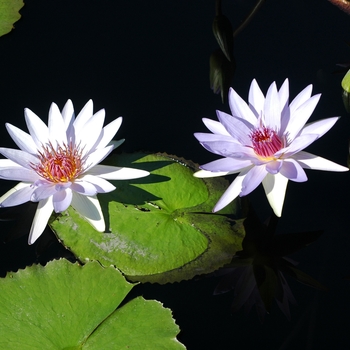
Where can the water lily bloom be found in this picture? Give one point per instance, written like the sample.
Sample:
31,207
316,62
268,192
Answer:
263,141
58,164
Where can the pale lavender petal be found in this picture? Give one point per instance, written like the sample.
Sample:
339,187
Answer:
232,191
84,115
41,218
68,118
116,173
97,156
37,128
283,94
17,173
19,157
238,128
229,149
90,209
311,161
17,195
302,97
23,140
239,107
319,127
253,179
101,185
43,192
301,116
297,145
83,187
256,98
275,189
272,108
226,165
206,137
89,133
274,166
57,128
215,127
108,132
293,171
62,200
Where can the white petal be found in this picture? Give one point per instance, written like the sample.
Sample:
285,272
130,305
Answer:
226,165
101,185
239,107
203,174
41,218
17,173
253,179
215,127
89,133
84,188
311,161
274,166
90,209
62,200
13,190
84,115
302,97
239,129
319,127
206,137
68,114
37,128
256,98
19,157
116,173
98,156
275,189
17,195
283,94
57,128
297,145
108,132
232,192
292,170
23,140
272,108
42,192
301,116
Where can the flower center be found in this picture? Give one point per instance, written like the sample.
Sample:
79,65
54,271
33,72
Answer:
266,142
63,164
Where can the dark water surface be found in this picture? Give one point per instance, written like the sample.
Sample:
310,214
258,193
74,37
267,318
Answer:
149,62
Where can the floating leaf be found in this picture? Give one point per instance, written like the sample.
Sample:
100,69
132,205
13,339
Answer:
161,226
66,306
9,14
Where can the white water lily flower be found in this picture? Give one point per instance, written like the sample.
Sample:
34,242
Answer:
58,164
263,141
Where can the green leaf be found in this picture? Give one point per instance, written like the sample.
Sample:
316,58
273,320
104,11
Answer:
67,306
9,14
161,226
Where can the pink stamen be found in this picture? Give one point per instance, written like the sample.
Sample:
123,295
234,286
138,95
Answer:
266,142
63,164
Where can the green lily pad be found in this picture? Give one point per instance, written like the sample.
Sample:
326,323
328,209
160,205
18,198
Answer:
67,306
9,14
161,228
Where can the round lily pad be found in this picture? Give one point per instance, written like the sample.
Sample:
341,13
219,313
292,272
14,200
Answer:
68,306
160,228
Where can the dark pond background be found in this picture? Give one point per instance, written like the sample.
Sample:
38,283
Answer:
149,62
